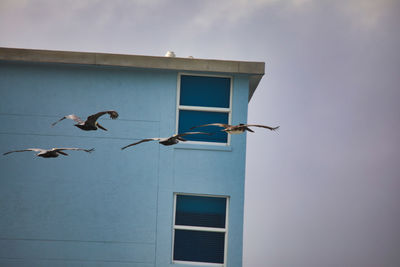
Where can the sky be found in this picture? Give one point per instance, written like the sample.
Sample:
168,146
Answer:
323,191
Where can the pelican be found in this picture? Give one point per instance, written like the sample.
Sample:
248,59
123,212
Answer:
167,141
50,153
236,129
91,123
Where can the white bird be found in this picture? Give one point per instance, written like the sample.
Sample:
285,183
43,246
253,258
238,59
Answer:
170,54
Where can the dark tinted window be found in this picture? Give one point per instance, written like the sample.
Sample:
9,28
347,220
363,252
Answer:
199,246
205,91
200,211
190,118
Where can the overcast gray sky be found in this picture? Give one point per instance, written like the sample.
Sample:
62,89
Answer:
324,190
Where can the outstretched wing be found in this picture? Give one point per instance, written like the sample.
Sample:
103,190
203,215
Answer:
263,126
71,117
187,133
72,148
28,149
179,136
141,141
212,124
93,118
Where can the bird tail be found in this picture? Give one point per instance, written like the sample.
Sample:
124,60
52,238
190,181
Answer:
101,127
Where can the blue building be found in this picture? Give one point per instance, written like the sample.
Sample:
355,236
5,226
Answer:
147,205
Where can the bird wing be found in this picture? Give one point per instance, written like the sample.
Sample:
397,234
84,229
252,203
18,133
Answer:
71,117
263,126
72,148
179,136
93,118
187,133
28,149
142,141
212,124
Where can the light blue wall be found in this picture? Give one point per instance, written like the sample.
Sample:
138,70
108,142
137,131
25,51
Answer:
110,207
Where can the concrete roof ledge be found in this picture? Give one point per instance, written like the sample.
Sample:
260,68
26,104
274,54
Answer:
255,70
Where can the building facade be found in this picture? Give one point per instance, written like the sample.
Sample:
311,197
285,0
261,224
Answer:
147,205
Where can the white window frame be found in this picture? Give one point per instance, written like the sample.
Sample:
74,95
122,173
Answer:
201,228
210,109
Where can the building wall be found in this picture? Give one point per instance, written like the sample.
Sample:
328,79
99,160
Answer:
110,207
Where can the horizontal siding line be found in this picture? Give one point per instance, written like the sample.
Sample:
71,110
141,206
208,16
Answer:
58,117
76,241
80,136
82,260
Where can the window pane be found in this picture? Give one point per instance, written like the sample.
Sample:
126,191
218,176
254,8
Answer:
199,246
200,211
189,118
205,91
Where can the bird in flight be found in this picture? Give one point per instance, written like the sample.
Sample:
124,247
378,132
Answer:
91,123
50,153
167,141
236,129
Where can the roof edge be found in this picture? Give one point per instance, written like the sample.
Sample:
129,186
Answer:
255,70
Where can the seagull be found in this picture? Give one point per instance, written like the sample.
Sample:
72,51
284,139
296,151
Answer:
236,129
50,153
91,121
167,141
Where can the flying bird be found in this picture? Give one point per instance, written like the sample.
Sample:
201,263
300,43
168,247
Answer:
167,141
50,153
236,129
91,123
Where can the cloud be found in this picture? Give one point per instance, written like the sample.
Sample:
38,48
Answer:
363,13
204,14
213,12
366,13
233,11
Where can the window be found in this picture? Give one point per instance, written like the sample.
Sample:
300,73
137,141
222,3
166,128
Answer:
200,229
204,100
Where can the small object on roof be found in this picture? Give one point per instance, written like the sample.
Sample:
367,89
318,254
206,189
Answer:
170,54
50,153
167,141
236,129
91,123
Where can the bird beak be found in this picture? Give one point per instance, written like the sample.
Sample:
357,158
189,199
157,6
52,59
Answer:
101,127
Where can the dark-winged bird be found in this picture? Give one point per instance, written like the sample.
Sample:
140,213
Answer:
50,153
167,141
236,129
91,122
